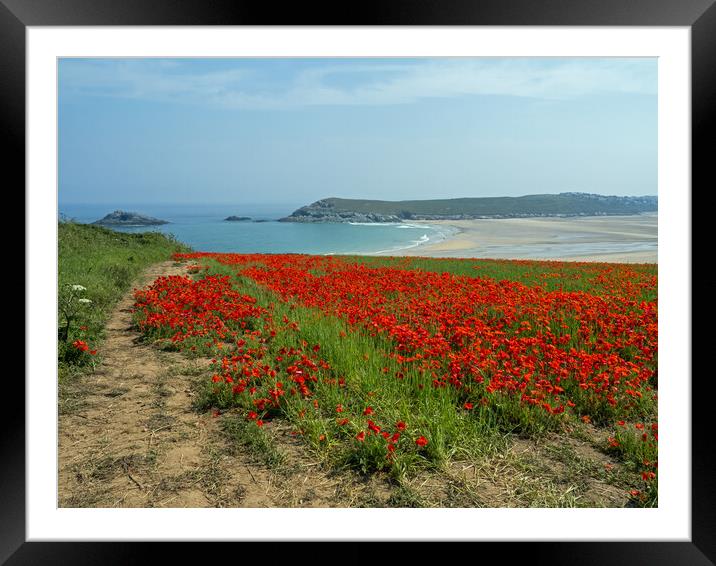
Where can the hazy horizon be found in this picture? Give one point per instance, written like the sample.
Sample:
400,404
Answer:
245,132
283,204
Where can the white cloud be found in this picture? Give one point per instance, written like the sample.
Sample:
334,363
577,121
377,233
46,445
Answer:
147,79
368,83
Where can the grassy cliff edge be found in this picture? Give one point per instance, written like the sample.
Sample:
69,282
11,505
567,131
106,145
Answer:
96,266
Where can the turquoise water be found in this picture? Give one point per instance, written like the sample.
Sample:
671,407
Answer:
204,229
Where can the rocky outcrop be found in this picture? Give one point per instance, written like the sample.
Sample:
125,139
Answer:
122,218
237,219
326,211
323,212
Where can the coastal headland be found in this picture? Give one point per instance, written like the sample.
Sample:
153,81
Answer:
529,206
566,226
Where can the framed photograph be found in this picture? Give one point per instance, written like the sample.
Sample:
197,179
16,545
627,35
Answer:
514,422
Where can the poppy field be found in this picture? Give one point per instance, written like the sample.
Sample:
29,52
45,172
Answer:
399,365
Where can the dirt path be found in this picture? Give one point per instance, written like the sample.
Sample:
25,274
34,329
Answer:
134,440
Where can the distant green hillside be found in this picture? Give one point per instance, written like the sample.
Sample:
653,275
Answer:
563,204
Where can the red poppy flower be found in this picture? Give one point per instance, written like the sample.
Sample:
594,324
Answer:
421,441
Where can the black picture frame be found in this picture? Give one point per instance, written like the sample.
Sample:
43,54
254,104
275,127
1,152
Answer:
699,15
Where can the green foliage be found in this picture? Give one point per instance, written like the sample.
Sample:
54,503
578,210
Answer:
96,266
252,437
637,446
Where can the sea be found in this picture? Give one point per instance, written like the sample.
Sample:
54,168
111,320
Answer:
204,229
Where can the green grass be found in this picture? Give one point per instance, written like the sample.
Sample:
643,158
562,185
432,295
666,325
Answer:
104,263
362,359
255,440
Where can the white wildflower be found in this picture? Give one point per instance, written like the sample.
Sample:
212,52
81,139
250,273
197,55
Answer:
78,288
86,301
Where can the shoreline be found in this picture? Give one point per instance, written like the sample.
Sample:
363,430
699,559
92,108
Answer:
414,244
611,239
604,239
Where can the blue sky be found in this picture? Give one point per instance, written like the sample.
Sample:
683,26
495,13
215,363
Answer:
297,130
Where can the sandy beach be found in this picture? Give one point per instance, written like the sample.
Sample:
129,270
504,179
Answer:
619,239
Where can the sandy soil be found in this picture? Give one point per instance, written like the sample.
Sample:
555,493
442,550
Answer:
630,239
